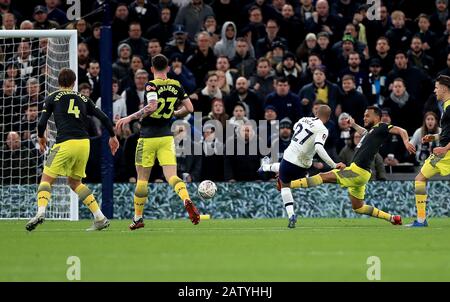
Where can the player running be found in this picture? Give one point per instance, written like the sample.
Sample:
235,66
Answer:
439,161
309,137
161,97
69,156
358,174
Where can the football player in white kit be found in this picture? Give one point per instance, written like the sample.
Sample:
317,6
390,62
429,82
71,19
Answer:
309,137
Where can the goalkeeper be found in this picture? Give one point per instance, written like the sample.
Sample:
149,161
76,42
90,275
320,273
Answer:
68,157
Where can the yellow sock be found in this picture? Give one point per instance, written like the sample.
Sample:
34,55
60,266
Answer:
421,200
374,212
140,198
308,182
179,187
85,195
43,195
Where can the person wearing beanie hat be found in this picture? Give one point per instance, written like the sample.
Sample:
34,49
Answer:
289,68
122,65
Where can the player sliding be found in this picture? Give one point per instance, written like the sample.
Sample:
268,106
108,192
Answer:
309,137
358,174
69,156
439,161
156,139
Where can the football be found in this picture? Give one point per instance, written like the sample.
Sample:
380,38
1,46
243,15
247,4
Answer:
207,189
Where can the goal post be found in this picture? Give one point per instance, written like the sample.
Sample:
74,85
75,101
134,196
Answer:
29,57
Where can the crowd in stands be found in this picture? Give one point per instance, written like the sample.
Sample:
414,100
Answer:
260,60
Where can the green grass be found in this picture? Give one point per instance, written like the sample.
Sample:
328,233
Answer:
226,250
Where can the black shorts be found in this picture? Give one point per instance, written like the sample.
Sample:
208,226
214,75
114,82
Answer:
289,171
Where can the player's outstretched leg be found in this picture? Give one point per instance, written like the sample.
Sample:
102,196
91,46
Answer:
314,181
85,195
43,197
180,188
360,208
420,187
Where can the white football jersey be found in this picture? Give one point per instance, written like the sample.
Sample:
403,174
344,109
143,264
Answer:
308,132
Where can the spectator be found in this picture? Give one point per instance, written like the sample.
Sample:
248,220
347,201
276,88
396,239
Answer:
178,71
377,83
203,58
9,106
162,4
144,12
351,100
345,9
376,166
83,61
402,104
291,70
291,27
5,7
227,44
33,94
242,95
134,95
319,89
83,29
192,15
17,161
119,25
263,80
430,126
358,46
222,83
276,54
217,113
314,61
25,60
28,122
323,50
223,64
286,103
439,18
135,40
360,76
226,10
305,10
93,76
306,47
54,13
383,54
93,41
399,36
210,26
393,150
348,47
418,58
212,155
41,21
322,20
265,44
202,98
243,60
428,37
136,64
189,165
255,24
153,48
239,116
418,84
119,107
163,30
179,44
122,65
445,71
245,161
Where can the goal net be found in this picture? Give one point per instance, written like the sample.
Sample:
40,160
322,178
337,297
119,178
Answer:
29,64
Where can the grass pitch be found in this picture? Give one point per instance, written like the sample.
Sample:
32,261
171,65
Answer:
226,250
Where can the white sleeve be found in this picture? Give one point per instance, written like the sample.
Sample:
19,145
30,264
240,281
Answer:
416,139
319,143
151,96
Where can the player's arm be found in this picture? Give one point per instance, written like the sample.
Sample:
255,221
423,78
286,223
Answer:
107,123
404,135
42,124
320,149
361,130
185,109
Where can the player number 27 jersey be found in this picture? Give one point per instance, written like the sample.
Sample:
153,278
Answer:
308,132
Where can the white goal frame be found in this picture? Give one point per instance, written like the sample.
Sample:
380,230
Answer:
73,64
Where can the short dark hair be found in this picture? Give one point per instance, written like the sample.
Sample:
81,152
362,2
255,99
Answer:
66,77
375,109
84,86
281,79
160,62
348,77
443,80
